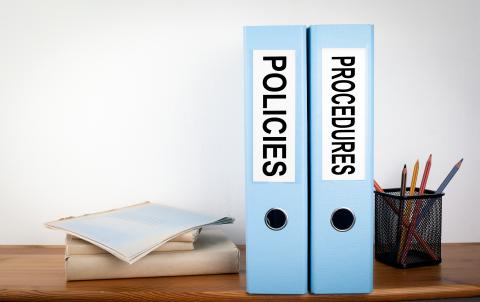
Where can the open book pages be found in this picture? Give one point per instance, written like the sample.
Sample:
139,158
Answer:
213,254
77,246
132,232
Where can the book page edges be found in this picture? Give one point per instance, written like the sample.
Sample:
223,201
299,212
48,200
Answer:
216,255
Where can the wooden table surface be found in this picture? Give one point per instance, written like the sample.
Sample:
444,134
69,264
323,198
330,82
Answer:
30,273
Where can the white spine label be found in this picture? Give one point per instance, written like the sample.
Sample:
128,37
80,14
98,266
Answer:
343,113
273,116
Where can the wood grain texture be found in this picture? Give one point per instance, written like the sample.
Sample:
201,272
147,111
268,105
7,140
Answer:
36,273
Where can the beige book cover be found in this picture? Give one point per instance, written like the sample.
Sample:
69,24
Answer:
77,246
214,253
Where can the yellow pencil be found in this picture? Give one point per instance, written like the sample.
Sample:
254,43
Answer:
409,203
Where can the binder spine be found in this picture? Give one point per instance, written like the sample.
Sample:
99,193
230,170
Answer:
341,158
276,159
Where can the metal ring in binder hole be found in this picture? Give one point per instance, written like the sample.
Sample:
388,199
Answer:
267,221
351,226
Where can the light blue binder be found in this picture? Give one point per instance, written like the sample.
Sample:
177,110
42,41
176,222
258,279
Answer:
276,182
341,173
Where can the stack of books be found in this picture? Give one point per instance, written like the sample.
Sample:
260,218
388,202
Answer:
145,240
194,253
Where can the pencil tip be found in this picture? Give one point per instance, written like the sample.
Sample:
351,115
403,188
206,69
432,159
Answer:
459,163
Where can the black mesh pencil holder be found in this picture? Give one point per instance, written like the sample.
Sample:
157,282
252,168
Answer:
408,229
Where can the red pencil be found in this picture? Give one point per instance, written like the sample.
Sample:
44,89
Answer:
426,172
416,212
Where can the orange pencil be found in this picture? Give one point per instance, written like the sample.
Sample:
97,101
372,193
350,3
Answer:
377,186
416,211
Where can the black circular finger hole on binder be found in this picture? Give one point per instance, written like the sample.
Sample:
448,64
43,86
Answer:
276,219
342,219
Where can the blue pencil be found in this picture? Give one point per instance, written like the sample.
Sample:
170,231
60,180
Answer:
440,189
449,177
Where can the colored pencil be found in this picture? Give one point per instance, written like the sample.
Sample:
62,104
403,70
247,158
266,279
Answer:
419,239
413,183
426,172
440,189
416,211
449,177
400,229
403,182
377,186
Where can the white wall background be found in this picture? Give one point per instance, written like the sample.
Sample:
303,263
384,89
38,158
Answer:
108,103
